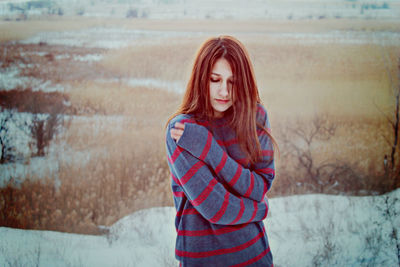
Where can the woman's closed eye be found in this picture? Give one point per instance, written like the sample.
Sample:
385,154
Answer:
218,80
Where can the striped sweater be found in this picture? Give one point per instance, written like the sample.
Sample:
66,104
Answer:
220,200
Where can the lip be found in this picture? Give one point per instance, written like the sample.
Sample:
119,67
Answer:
222,101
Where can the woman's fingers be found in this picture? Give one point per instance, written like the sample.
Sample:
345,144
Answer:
179,125
176,133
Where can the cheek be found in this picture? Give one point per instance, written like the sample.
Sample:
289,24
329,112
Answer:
213,89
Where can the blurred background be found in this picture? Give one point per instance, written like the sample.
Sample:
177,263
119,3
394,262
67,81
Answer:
86,88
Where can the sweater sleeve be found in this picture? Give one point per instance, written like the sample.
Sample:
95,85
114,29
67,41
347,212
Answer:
209,197
249,183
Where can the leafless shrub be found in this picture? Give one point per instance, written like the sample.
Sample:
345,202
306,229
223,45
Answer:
45,128
132,13
381,240
48,120
306,231
390,162
327,254
391,214
301,142
7,149
11,129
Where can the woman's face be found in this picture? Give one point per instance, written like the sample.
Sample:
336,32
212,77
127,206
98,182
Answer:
221,83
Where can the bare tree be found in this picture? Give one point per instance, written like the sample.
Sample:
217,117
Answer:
44,128
10,129
391,163
7,150
46,123
300,141
390,213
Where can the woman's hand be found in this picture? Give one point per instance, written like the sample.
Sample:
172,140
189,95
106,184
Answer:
177,131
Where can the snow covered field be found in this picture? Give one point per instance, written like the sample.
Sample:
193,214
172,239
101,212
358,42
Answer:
120,38
306,230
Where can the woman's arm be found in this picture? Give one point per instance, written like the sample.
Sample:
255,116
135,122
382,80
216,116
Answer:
210,198
251,184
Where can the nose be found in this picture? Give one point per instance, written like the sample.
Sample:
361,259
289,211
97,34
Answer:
224,90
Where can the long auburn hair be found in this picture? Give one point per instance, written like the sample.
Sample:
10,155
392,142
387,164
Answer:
244,93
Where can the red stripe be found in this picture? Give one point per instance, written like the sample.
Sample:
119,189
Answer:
254,211
266,171
220,231
257,258
204,195
221,163
191,172
264,131
189,211
216,252
267,152
251,186
261,110
265,189
240,214
187,121
206,147
227,143
178,193
203,123
261,132
242,161
175,179
222,210
266,209
233,181
175,155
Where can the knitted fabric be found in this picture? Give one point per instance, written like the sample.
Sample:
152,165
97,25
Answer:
220,199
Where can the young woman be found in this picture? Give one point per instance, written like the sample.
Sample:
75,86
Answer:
220,154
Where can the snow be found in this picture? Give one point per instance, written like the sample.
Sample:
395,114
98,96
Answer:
105,37
384,38
304,227
88,58
115,38
133,241
10,79
170,86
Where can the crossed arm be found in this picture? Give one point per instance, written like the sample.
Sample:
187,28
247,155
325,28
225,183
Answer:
199,142
210,198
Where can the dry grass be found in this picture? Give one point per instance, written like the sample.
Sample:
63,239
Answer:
171,61
116,98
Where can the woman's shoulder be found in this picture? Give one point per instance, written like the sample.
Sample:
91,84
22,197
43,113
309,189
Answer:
261,115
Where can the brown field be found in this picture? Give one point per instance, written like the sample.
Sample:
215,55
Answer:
349,84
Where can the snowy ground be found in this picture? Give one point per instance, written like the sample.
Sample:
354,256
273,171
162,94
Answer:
118,37
305,230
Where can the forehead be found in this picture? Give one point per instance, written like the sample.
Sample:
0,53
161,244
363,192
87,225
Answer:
222,68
